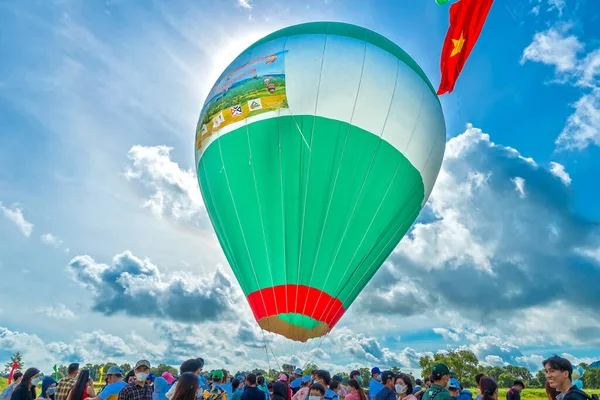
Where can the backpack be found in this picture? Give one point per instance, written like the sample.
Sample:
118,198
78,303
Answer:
582,393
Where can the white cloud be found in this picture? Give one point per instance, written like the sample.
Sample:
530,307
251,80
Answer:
552,47
60,311
583,126
447,334
137,287
519,186
510,239
245,4
15,214
559,171
557,48
173,192
556,5
51,240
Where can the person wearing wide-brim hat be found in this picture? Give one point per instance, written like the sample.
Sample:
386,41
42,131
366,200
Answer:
440,375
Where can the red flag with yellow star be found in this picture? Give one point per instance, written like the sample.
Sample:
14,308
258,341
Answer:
466,21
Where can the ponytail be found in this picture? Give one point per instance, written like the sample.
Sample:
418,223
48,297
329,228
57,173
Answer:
488,387
361,393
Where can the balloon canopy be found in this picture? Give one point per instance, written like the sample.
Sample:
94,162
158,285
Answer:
316,149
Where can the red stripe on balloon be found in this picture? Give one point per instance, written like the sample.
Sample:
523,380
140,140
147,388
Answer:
311,302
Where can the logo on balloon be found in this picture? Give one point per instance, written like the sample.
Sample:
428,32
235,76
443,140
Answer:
257,86
254,104
236,110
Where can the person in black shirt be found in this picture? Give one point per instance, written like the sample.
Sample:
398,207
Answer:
514,393
558,374
388,379
26,389
252,392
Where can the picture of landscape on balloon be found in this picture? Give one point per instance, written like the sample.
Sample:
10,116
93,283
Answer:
256,87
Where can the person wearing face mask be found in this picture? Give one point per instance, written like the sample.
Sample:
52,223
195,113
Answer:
317,392
114,379
138,389
26,389
440,376
514,393
48,388
375,384
388,392
404,388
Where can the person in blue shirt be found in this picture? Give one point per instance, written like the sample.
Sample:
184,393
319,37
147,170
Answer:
375,385
114,378
388,391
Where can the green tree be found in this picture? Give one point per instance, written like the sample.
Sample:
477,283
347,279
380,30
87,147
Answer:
521,373
492,372
365,376
506,379
158,371
591,379
395,369
540,379
309,368
125,368
583,365
15,358
463,363
345,376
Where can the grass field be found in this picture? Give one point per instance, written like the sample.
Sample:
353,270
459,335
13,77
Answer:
529,394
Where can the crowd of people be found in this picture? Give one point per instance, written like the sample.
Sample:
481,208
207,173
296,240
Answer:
191,384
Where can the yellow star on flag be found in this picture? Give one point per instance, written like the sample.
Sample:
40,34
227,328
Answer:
458,45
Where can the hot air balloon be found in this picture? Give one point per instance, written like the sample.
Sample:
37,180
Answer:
311,188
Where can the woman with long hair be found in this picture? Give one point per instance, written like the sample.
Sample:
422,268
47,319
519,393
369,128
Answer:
355,392
187,386
489,388
26,389
83,387
404,387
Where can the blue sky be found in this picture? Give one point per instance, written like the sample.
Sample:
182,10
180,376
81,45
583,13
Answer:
104,239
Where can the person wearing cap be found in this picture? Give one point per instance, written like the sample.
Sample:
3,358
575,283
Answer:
168,377
375,384
297,382
302,393
454,388
440,376
388,391
214,391
114,380
514,393
138,389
